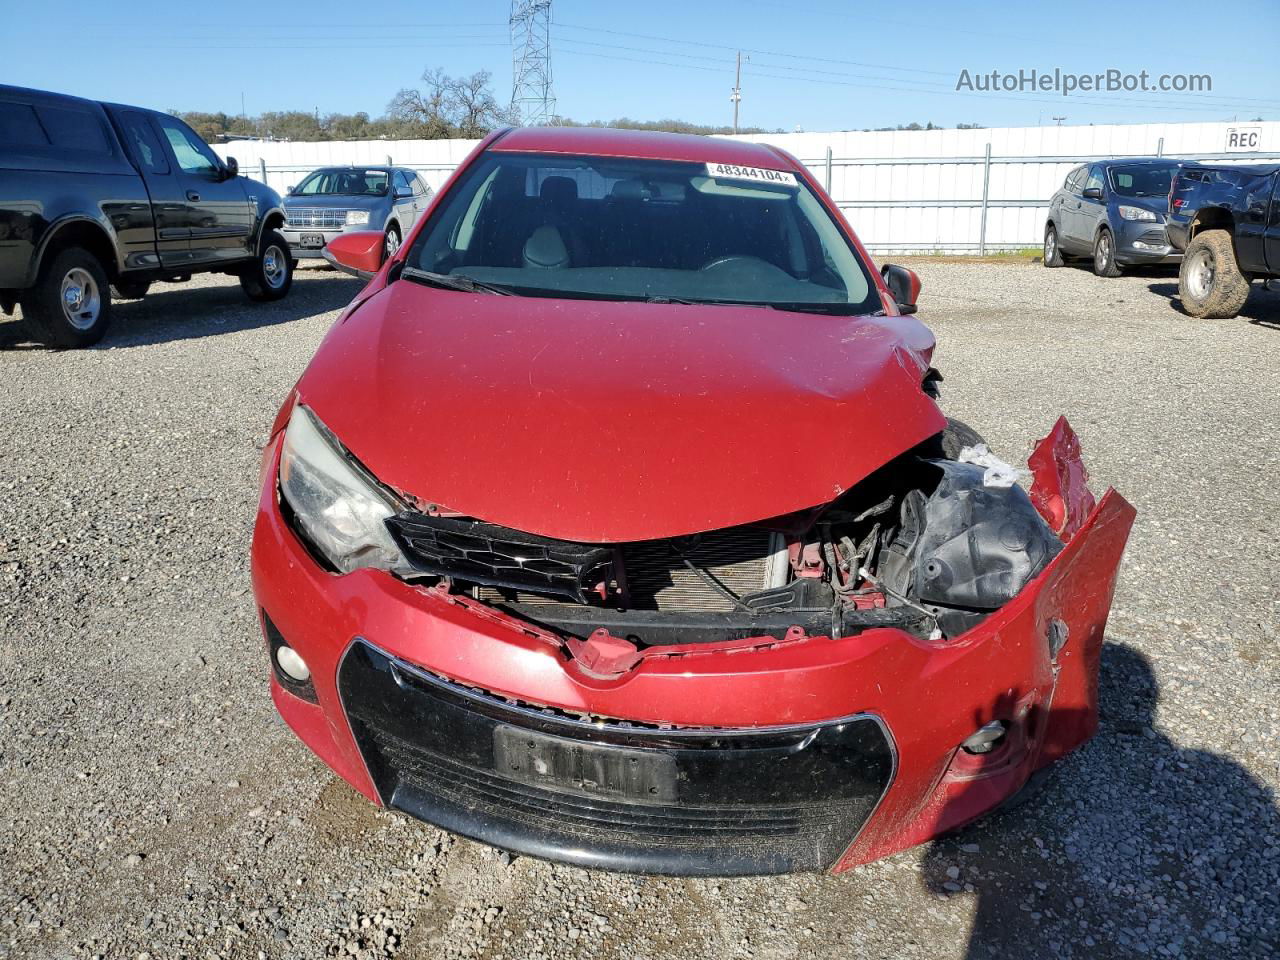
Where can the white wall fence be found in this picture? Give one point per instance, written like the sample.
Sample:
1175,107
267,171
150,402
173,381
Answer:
950,191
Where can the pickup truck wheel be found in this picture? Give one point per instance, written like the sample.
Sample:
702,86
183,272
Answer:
271,275
1104,255
1052,252
130,289
1210,283
70,306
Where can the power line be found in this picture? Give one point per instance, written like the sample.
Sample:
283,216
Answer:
756,71
1228,100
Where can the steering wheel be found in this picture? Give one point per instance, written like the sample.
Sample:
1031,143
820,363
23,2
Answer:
736,259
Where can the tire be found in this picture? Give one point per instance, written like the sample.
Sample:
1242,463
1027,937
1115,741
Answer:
1104,255
70,305
390,242
947,445
271,275
1052,252
131,289
1210,283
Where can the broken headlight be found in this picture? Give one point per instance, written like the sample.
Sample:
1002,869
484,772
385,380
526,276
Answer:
339,509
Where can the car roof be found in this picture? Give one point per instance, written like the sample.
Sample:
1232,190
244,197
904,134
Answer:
1256,168
641,144
1137,161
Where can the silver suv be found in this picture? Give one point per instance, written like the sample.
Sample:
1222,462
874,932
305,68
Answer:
334,199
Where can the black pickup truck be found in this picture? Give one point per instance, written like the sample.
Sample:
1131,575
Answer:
96,196
1226,219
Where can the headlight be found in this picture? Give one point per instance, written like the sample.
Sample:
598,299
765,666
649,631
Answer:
340,510
355,217
1136,213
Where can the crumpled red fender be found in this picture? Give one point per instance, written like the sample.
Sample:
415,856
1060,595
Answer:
1060,482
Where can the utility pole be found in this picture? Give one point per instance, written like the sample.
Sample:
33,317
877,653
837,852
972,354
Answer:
531,96
737,91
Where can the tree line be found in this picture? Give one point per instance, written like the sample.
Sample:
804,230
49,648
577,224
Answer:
442,107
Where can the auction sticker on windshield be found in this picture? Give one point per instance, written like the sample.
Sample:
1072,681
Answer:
732,171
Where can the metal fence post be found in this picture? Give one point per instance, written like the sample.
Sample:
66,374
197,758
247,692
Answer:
986,193
827,185
1160,148
262,169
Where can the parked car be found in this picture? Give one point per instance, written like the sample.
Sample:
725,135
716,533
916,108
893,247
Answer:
334,199
95,196
1112,211
616,522
1227,220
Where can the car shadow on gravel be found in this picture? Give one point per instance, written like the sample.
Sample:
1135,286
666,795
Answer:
180,312
1136,847
1262,309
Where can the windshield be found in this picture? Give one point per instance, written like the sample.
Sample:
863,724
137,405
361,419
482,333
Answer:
1143,181
344,182
623,229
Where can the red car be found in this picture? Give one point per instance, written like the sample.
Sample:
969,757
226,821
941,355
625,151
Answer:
615,521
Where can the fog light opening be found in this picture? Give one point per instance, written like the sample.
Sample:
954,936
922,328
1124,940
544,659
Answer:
986,738
292,664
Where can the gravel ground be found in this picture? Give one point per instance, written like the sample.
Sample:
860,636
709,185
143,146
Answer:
151,804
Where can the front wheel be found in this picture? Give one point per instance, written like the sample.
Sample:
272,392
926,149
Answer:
1210,283
390,243
70,306
948,444
1052,252
1104,255
271,275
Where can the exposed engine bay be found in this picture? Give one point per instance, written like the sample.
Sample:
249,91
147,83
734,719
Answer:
925,544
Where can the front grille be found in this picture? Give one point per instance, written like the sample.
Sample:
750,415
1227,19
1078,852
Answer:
500,557
712,802
657,577
315,218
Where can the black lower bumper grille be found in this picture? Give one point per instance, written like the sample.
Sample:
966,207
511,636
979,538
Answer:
713,802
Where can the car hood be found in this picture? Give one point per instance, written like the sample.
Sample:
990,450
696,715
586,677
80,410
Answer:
617,421
335,200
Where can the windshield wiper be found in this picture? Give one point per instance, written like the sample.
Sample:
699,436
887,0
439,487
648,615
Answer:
451,281
823,307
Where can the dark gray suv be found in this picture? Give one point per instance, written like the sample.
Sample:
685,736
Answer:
333,199
1113,212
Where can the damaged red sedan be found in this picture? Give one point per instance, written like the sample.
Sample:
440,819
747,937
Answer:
616,522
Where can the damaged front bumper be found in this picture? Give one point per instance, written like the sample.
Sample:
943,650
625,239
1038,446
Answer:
754,755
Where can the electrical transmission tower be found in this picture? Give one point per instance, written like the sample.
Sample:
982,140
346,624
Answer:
531,96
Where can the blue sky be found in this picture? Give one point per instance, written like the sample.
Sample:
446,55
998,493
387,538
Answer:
813,64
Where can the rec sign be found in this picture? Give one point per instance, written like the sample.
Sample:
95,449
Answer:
1243,139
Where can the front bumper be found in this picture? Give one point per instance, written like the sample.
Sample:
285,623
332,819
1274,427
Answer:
294,237
801,754
1141,242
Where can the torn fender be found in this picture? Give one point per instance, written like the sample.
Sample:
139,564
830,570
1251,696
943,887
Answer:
1060,485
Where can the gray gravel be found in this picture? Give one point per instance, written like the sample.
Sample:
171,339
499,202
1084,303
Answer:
152,806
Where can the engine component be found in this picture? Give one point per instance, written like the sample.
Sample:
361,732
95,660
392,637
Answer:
965,549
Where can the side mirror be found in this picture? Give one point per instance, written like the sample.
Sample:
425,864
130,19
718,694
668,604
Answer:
903,284
292,187
230,168
1093,193
403,194
357,252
